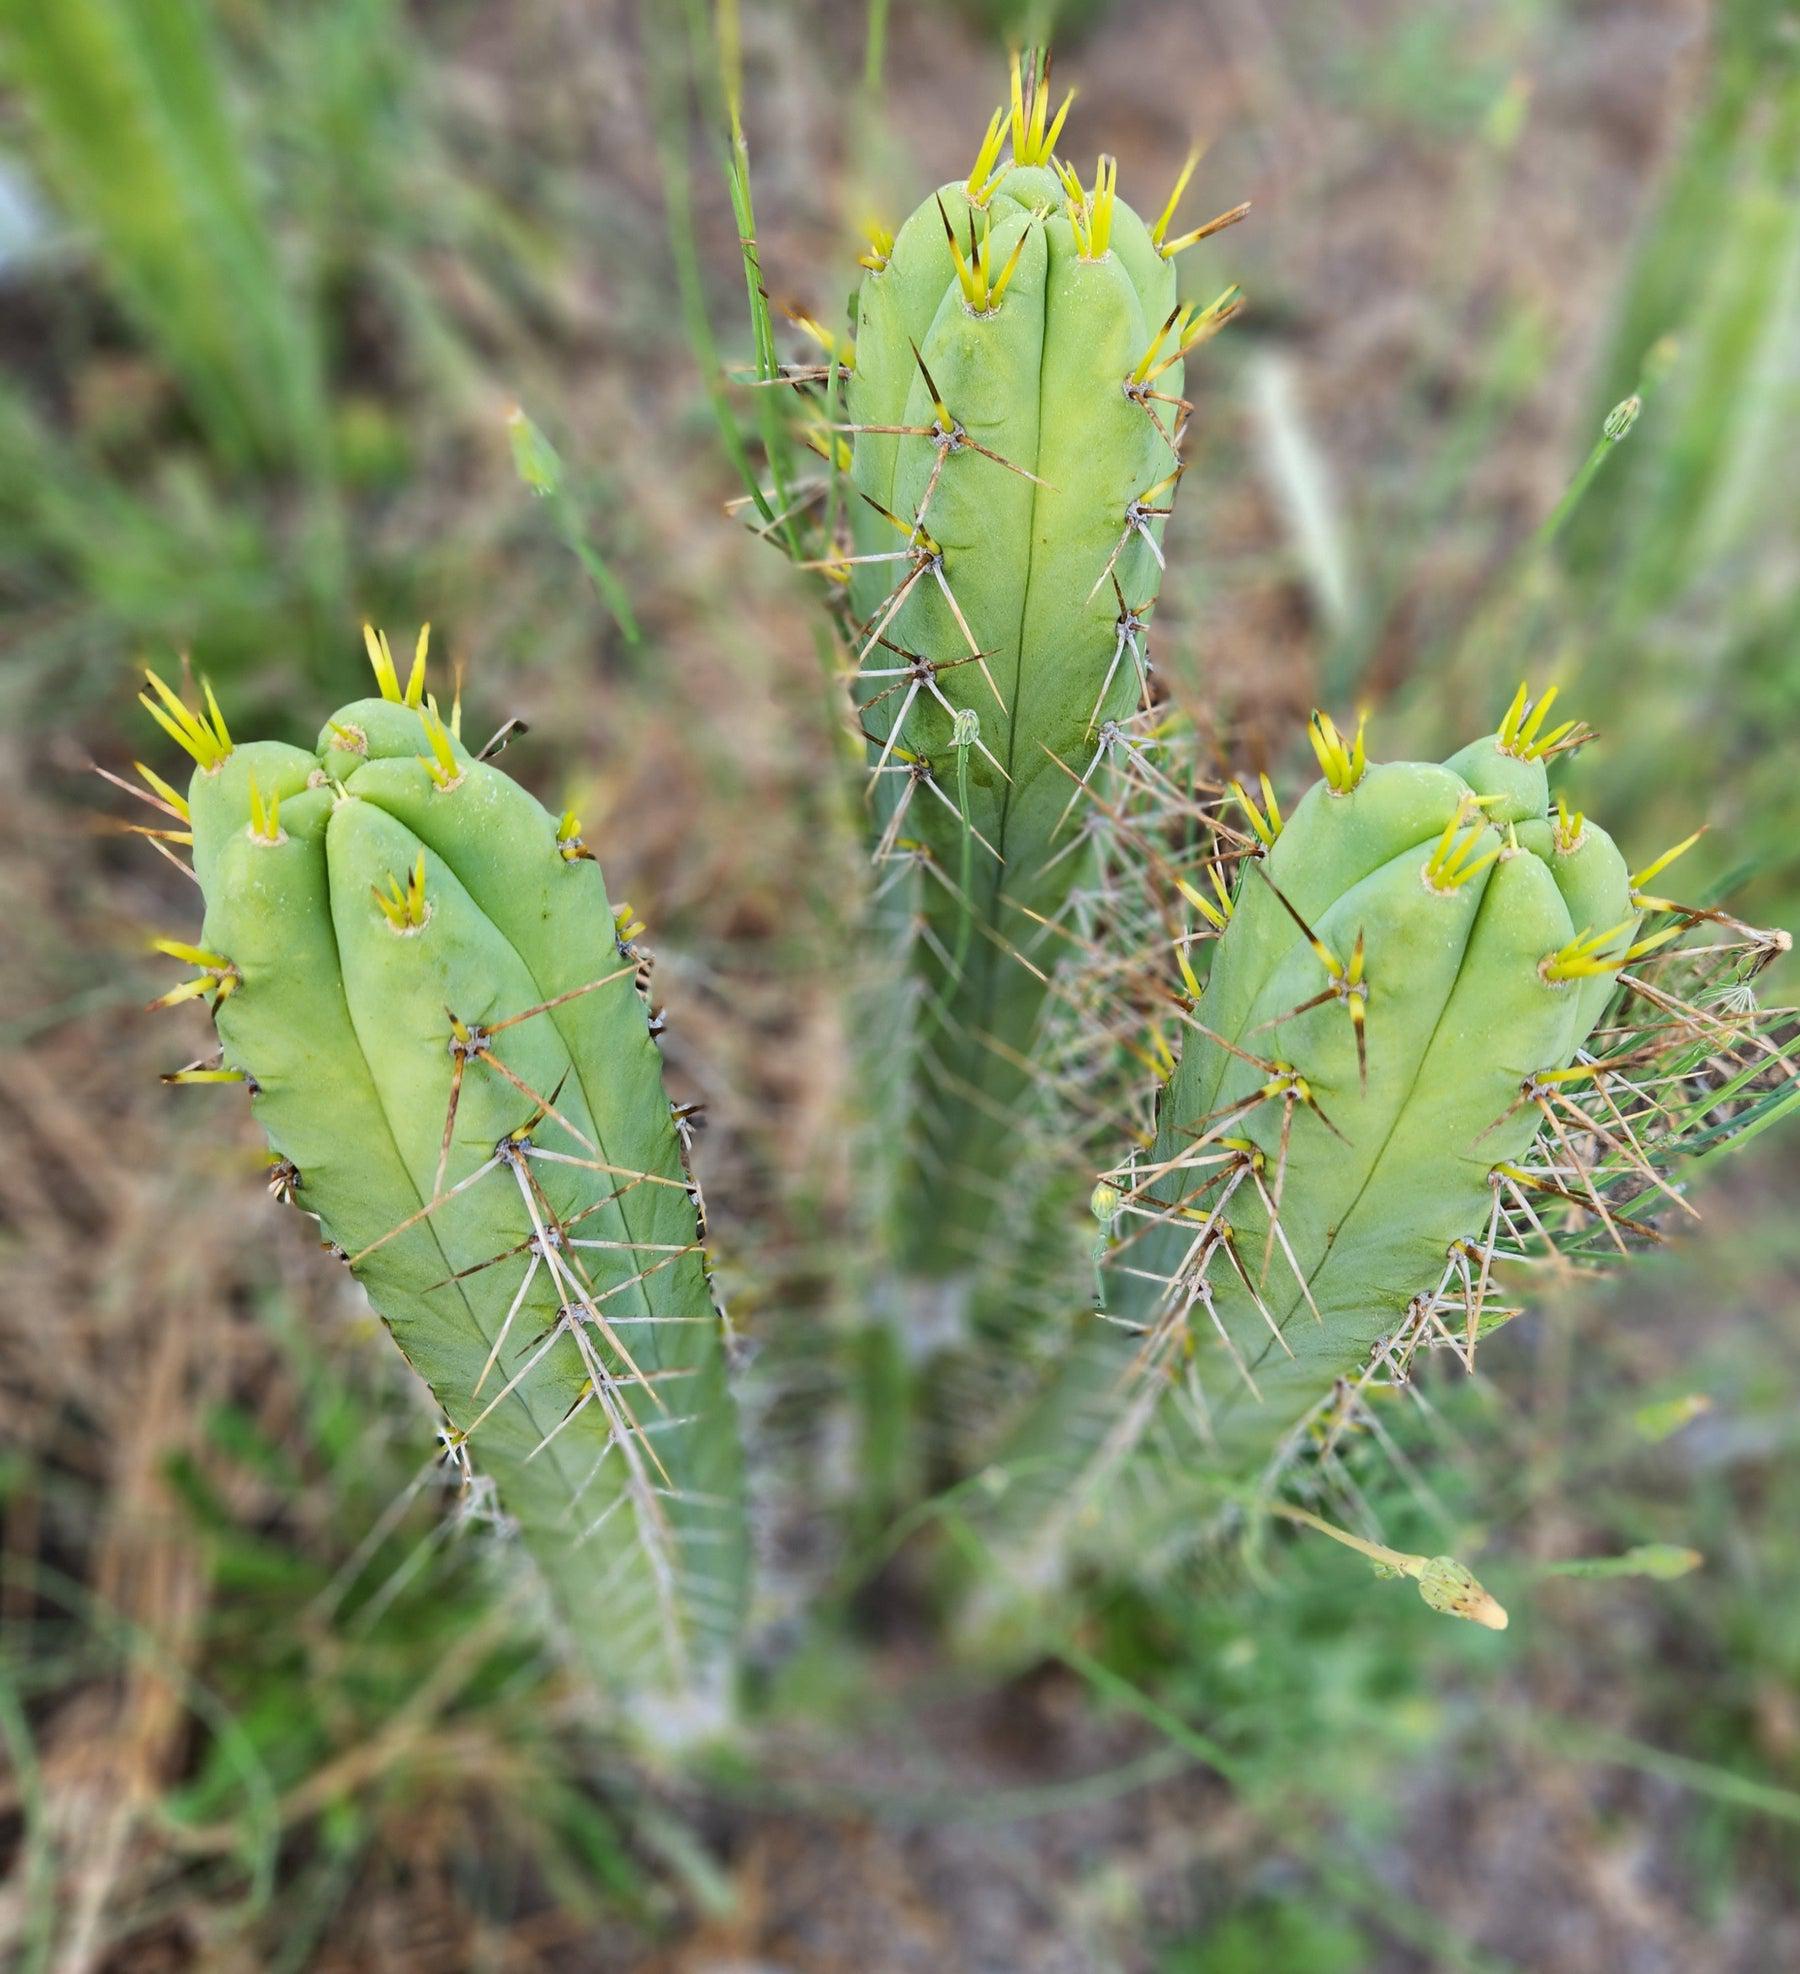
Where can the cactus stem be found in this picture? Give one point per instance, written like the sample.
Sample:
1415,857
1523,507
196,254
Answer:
494,931
1016,250
1586,1156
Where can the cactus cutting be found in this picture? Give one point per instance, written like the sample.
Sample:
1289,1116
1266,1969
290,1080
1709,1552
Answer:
1012,400
415,970
1435,1039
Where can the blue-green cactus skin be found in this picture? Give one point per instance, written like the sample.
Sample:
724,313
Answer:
614,1451
1040,380
1471,987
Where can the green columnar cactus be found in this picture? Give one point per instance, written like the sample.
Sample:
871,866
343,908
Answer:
415,969
1015,416
1391,1081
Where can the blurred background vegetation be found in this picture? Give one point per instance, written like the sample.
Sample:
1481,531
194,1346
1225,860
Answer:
272,281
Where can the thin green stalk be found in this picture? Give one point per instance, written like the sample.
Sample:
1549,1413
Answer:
1400,1915
259,1832
1413,1923
35,1869
875,49
1617,425
541,467
663,49
1574,1739
768,403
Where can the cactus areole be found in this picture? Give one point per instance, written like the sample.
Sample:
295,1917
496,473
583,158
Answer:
1015,416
